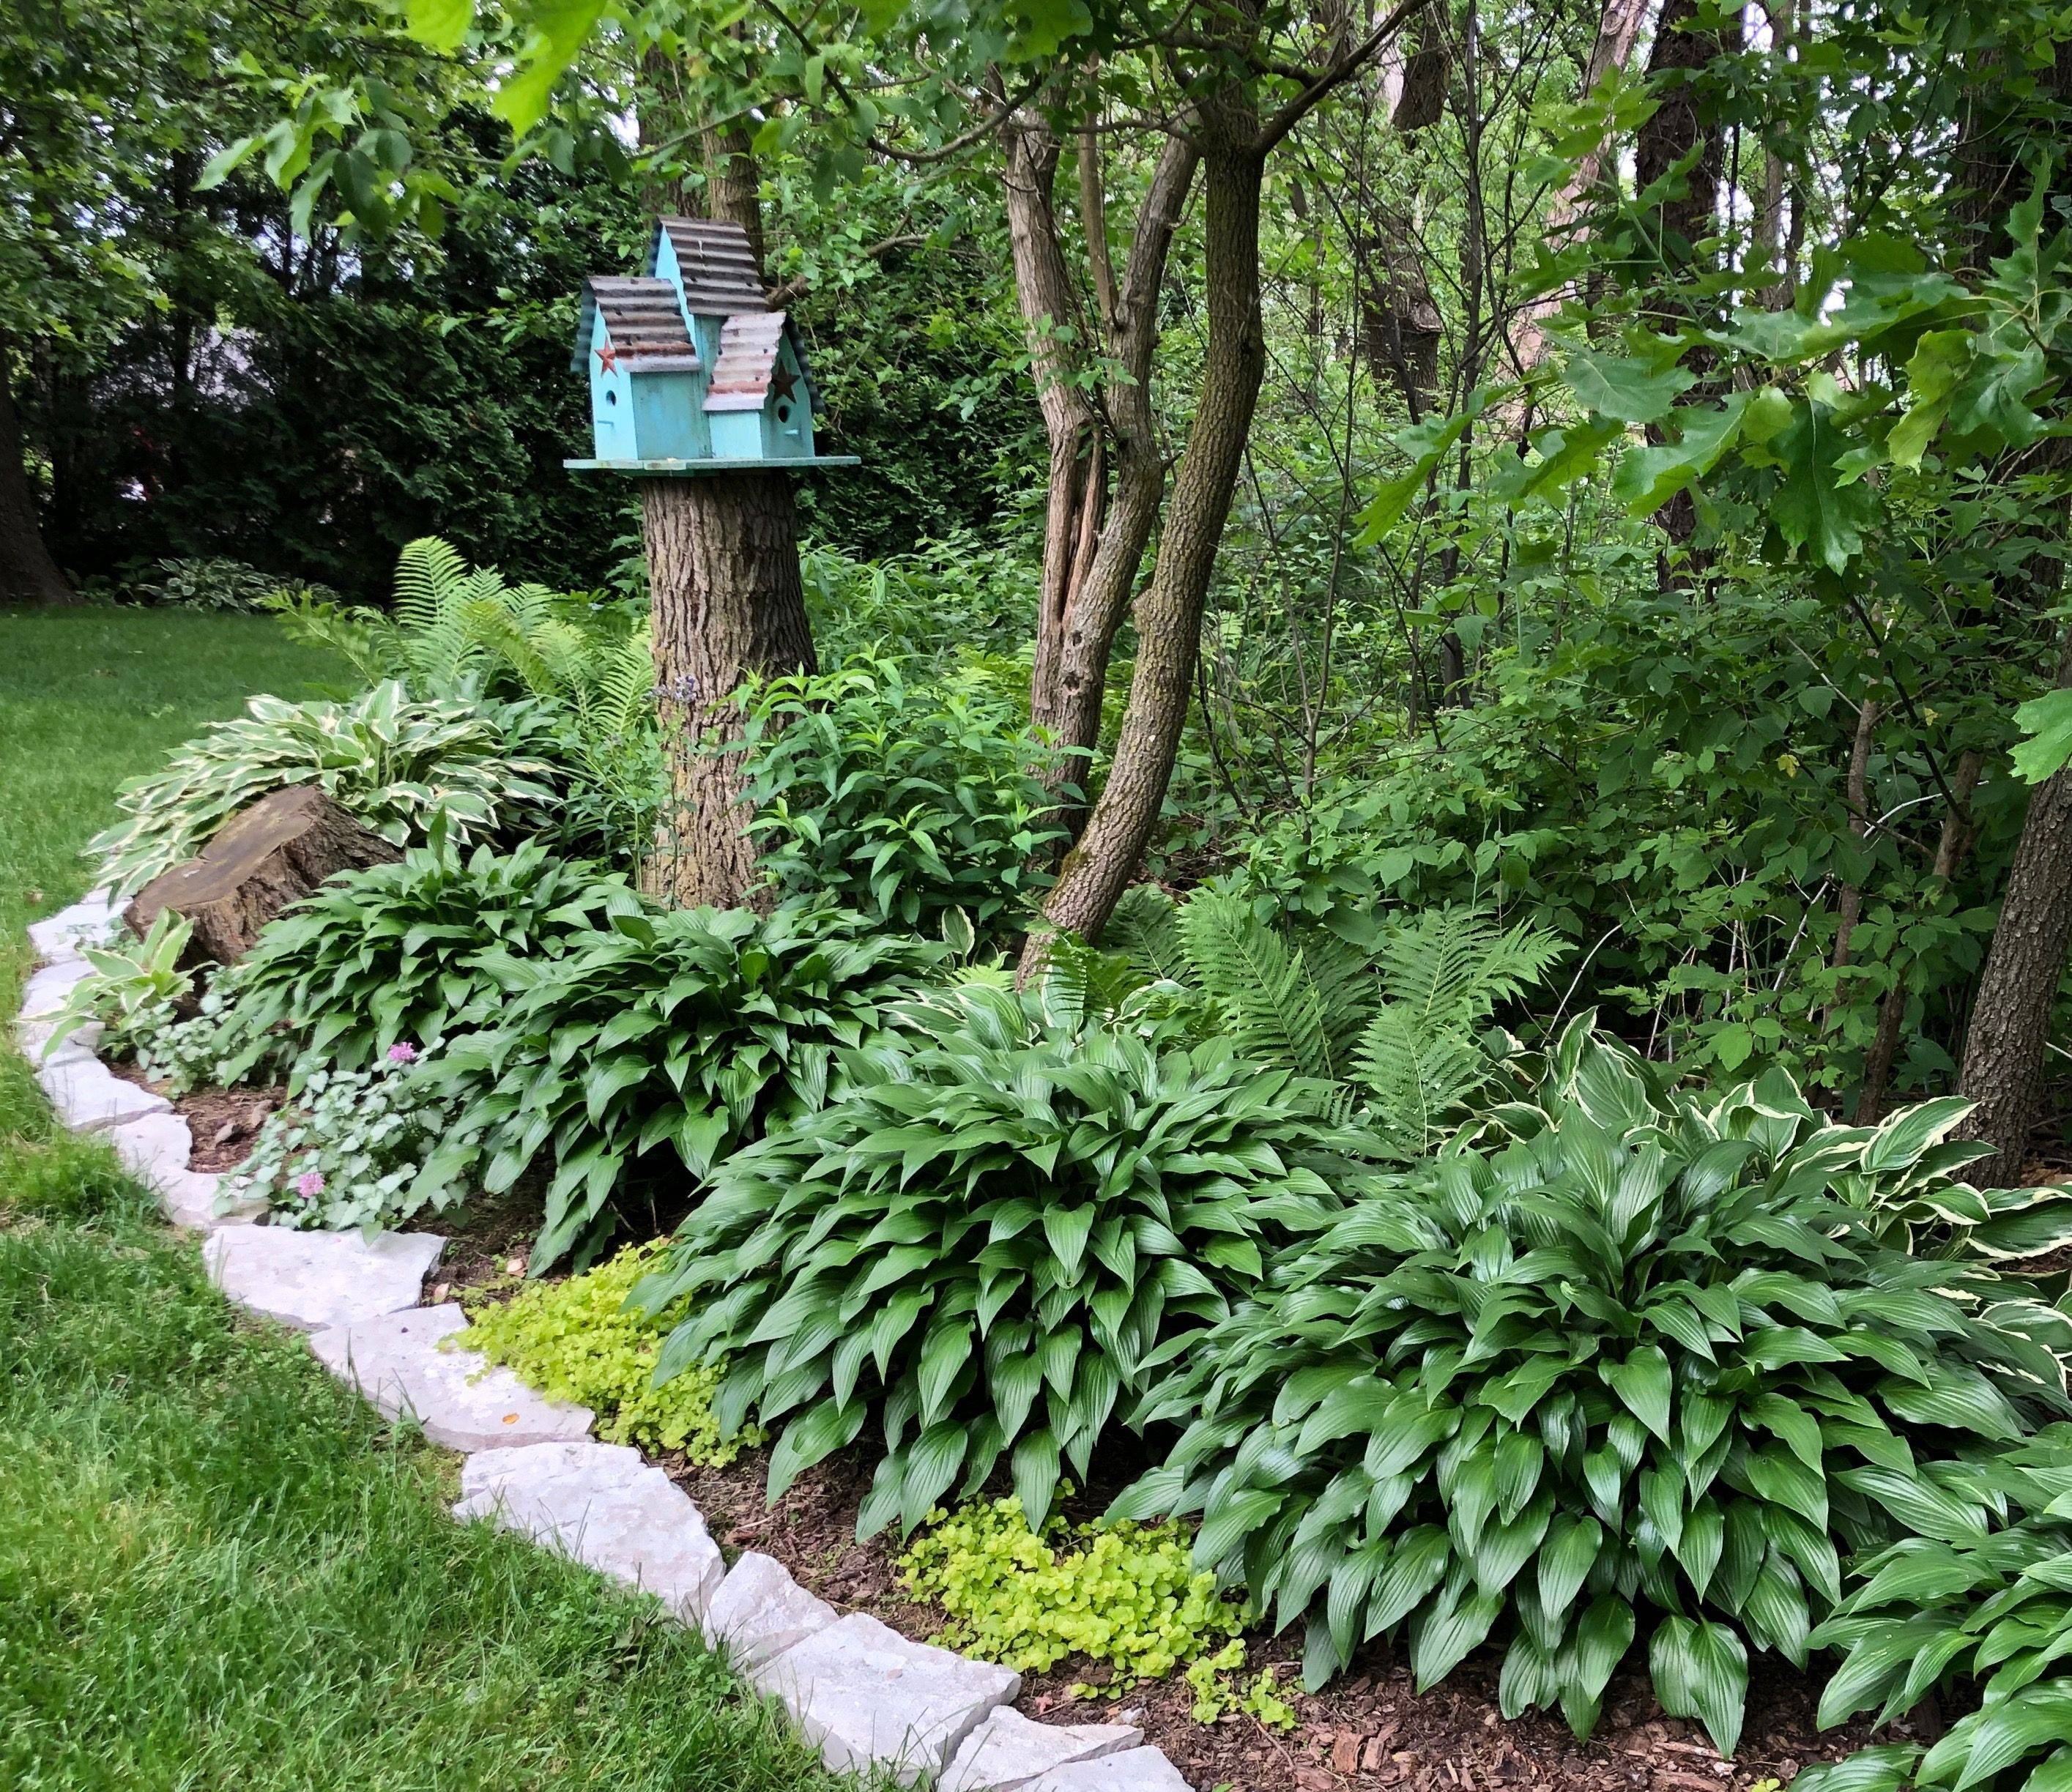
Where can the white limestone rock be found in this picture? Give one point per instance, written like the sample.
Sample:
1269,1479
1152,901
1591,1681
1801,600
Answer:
316,1280
1133,1770
59,936
488,1472
646,1533
195,1198
34,1038
867,1695
760,1611
45,993
395,1360
90,1098
153,1149
1008,1750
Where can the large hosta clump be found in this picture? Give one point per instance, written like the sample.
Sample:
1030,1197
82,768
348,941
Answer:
1626,1368
982,1243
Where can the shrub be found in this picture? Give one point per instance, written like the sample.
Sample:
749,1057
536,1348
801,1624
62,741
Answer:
1128,1596
217,583
396,764
347,1150
577,1340
396,953
693,1029
901,801
984,1240
1951,1613
1640,1357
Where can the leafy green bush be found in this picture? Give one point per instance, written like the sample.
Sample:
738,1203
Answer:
396,954
1643,1355
217,583
1941,1614
347,1149
1125,1595
134,988
577,1340
396,764
901,800
983,1239
693,1029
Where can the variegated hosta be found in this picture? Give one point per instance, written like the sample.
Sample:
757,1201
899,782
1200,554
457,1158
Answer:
394,762
1636,1370
1985,1617
981,1242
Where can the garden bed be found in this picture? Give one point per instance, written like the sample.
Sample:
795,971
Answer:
1367,1732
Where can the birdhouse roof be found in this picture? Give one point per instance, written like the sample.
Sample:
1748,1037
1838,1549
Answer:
718,268
646,326
748,345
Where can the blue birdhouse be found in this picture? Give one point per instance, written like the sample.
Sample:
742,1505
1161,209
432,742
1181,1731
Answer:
690,369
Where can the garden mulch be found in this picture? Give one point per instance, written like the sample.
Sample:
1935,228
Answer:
225,1123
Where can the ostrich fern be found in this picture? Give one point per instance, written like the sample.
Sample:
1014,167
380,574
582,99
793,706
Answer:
1398,1034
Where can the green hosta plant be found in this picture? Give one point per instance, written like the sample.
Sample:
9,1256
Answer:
691,1031
1643,1372
134,989
982,1242
396,764
901,800
1992,1613
396,953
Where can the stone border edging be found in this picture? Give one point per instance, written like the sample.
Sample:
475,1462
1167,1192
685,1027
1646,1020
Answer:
866,1696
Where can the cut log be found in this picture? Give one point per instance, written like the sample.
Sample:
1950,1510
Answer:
271,853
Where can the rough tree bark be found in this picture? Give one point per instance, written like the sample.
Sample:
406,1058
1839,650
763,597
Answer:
1097,527
1168,614
733,184
271,853
2004,1045
27,572
723,571
1677,128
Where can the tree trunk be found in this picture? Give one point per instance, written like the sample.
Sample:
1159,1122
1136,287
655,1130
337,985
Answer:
27,572
1168,614
734,185
1959,829
1094,538
723,569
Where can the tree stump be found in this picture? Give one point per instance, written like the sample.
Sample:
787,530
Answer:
723,568
271,853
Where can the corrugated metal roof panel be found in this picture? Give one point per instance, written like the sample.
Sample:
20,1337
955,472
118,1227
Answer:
718,269
748,343
645,323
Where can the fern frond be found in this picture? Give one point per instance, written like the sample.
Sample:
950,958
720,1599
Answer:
1145,929
1274,1010
1417,1075
1453,965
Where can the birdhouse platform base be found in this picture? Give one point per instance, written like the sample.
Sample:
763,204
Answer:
691,469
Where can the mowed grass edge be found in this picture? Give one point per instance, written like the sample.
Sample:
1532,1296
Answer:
217,1567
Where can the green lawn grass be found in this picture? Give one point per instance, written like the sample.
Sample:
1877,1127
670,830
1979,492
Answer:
217,1567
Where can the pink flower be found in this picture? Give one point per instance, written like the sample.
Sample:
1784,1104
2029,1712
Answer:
310,1184
402,1052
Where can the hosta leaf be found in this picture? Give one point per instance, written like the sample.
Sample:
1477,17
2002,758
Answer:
1642,1382
1700,1670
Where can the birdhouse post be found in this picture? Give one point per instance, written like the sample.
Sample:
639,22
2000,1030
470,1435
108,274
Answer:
699,390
